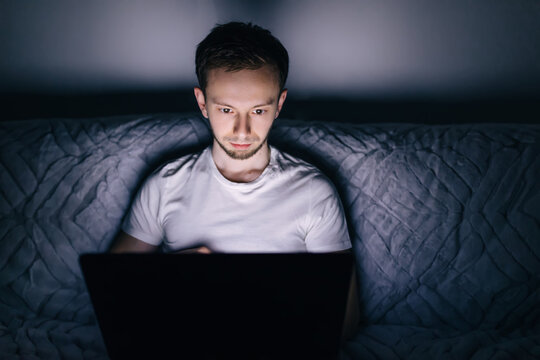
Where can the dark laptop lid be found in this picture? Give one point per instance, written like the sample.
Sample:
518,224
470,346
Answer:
219,305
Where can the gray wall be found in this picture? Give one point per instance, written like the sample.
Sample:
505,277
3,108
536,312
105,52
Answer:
365,48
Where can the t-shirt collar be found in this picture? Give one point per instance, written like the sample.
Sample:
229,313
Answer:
249,185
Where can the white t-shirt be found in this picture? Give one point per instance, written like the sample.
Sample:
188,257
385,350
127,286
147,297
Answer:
290,207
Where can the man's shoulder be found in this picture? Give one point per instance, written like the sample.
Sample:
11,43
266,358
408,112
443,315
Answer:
301,170
177,170
287,162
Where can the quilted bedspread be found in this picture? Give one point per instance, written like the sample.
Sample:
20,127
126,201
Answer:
445,223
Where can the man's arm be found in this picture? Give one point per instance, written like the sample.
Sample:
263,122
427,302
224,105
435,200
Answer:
352,310
127,243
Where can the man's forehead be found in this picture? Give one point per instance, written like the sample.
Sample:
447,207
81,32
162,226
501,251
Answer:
245,87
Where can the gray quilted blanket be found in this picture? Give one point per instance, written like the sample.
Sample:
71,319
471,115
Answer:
445,223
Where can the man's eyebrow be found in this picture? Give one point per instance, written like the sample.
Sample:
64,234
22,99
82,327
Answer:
220,103
269,102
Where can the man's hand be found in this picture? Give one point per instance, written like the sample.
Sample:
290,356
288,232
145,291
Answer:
195,250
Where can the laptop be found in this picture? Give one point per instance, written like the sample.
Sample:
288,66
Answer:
219,306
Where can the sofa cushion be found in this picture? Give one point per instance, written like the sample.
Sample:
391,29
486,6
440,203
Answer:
393,342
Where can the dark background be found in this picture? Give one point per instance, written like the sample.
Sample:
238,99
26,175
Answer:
364,61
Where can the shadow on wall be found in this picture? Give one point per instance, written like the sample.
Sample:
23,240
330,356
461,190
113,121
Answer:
351,61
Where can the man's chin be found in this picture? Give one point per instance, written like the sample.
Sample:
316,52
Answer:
241,154
237,154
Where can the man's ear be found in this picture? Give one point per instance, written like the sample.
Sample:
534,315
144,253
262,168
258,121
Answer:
201,101
281,100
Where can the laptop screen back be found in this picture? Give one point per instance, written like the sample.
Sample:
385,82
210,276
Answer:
259,306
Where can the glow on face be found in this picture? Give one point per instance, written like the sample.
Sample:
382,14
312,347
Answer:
242,106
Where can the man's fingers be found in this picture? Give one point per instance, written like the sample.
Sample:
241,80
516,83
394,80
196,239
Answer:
203,250
197,250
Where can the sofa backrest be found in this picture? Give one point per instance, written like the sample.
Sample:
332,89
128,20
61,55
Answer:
444,219
65,186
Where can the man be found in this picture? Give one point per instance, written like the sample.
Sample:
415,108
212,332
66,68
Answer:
239,194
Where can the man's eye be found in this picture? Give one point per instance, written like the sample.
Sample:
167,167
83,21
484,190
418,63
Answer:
225,110
259,111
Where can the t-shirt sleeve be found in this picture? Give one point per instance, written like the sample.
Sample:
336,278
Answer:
327,227
143,220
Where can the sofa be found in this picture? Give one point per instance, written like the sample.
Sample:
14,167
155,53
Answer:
444,221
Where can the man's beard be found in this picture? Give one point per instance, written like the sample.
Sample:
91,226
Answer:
240,155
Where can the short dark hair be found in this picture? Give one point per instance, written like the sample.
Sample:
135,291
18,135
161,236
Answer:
237,46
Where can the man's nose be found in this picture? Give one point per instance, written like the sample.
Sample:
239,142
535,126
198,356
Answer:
242,125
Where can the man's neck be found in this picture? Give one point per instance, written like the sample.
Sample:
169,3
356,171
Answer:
241,171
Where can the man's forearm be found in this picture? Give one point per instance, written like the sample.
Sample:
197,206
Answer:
127,243
352,311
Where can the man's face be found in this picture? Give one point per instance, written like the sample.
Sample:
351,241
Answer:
241,106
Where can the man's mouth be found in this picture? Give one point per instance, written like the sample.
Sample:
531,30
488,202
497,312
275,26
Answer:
240,146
